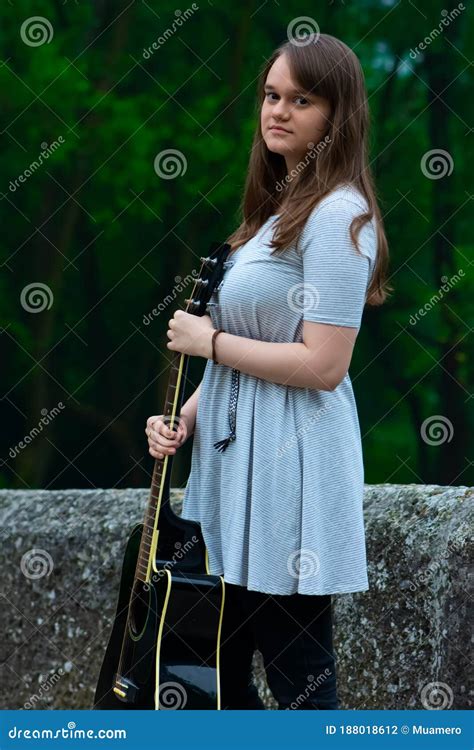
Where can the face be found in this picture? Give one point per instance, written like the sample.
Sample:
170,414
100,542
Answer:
303,115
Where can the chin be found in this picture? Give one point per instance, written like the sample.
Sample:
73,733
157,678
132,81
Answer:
276,148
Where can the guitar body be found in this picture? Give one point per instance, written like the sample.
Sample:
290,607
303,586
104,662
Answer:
164,652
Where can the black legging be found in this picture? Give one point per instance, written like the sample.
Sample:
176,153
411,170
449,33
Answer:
293,634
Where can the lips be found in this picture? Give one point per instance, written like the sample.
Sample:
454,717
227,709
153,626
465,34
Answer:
278,129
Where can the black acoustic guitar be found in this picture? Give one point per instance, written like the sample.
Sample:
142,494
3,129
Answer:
163,651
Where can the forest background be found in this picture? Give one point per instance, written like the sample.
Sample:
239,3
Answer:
95,236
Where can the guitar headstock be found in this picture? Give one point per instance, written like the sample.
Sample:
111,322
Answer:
210,276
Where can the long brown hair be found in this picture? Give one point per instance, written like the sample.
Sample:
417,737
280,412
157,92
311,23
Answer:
326,67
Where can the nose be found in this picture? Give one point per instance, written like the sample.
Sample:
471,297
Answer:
280,110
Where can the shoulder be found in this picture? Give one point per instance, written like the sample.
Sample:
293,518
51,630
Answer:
345,201
331,218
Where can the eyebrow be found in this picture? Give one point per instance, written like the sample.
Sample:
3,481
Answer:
291,91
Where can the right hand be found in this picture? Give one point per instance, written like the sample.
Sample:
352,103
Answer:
163,441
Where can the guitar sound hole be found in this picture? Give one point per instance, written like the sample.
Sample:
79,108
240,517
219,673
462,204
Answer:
139,607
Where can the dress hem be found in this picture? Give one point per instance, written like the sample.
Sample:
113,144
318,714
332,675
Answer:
333,591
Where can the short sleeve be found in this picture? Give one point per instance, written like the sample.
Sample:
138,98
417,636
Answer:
335,275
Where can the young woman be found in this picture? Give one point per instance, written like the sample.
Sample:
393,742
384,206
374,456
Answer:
277,472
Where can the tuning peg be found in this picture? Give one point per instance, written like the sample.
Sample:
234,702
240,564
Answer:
202,282
208,261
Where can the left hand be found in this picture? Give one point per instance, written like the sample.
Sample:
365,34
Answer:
191,334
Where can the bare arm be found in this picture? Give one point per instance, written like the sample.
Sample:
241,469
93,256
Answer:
189,410
320,361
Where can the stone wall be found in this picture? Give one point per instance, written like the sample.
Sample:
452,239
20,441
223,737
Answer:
404,644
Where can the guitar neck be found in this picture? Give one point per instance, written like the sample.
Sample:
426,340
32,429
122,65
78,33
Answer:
159,499
158,508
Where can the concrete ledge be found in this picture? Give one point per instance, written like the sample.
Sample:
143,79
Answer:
404,644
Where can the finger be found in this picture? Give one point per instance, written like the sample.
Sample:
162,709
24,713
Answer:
151,433
177,434
155,454
166,431
163,441
170,432
152,422
158,437
161,444
165,450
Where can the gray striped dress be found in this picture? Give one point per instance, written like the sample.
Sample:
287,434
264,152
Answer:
281,507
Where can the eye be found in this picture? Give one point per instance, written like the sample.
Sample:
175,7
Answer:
303,99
